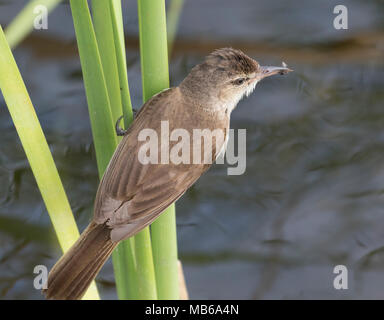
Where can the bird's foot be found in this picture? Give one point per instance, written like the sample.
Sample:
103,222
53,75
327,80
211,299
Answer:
120,131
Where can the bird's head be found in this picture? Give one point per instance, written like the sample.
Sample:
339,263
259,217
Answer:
226,76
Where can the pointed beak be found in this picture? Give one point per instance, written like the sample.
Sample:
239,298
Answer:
267,71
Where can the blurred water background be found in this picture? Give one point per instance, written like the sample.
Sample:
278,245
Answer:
312,196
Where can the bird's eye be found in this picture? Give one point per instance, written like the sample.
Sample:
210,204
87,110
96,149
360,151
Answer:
239,81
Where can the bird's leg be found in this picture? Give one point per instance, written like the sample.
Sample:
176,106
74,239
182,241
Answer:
120,131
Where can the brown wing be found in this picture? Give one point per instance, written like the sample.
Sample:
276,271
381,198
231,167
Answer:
132,195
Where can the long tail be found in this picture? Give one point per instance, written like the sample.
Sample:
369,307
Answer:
72,274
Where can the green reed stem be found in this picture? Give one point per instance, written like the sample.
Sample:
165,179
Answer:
37,151
104,136
155,77
109,31
145,269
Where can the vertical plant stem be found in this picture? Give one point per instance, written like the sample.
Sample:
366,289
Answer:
95,87
155,77
127,246
110,37
164,244
103,132
124,266
145,269
118,30
102,21
37,151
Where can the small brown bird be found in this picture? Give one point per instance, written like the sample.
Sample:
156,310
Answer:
131,194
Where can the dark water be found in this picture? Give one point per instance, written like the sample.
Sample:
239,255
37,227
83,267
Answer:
312,196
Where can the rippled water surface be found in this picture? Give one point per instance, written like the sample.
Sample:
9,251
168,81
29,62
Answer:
312,196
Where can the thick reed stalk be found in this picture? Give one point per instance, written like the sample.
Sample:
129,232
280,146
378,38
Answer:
155,77
109,31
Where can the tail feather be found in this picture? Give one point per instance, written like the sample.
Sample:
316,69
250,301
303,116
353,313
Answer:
73,273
